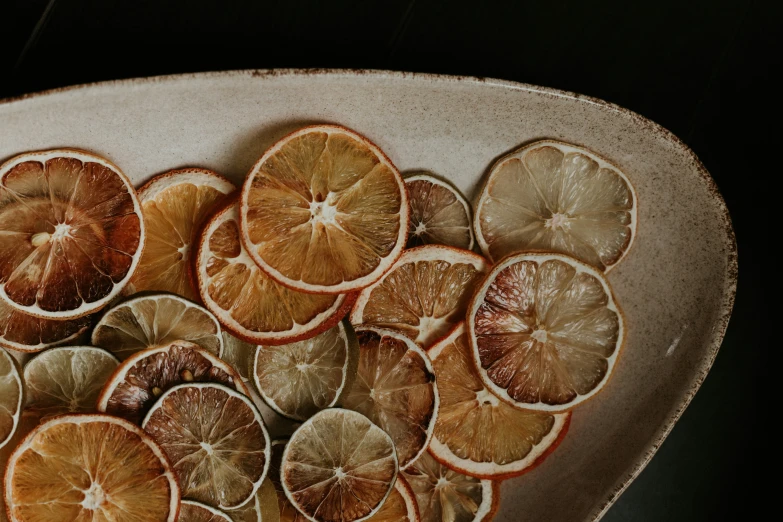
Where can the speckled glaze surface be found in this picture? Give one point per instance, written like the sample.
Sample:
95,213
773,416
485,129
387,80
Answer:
676,285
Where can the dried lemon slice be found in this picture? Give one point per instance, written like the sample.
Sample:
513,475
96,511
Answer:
439,213
11,393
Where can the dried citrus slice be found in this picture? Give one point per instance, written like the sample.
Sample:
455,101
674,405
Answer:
439,213
89,467
27,333
192,511
249,303
424,295
300,379
395,388
71,233
143,377
239,354
11,393
557,197
545,331
156,320
66,380
175,206
288,513
478,434
216,440
444,494
338,467
262,508
324,211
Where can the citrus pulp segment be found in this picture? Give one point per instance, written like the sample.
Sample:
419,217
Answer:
156,320
175,205
89,467
141,379
249,303
338,467
300,379
192,511
478,434
545,331
324,211
66,380
239,354
395,388
424,295
262,508
557,197
439,213
71,233
215,439
444,494
26,333
11,396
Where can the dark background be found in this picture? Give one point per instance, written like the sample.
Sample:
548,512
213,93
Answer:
701,68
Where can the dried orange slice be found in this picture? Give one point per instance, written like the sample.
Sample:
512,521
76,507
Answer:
143,377
175,205
192,511
439,213
424,295
478,434
560,198
216,440
71,233
300,379
89,467
545,331
395,388
444,494
156,320
249,303
11,393
30,334
338,467
324,211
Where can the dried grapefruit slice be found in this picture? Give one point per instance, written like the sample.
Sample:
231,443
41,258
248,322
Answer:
143,377
545,331
249,303
557,197
89,467
11,393
71,233
478,434
66,380
395,388
300,379
156,320
324,211
216,440
175,205
30,334
439,213
444,494
192,511
424,295
338,467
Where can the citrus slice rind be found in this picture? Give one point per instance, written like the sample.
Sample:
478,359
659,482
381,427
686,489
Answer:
249,303
103,464
175,205
142,378
300,379
72,233
66,380
396,389
192,511
216,440
338,466
11,397
424,295
556,197
29,334
144,321
445,494
324,211
545,331
439,213
476,433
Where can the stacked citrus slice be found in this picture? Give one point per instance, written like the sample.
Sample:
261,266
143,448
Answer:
439,213
26,333
11,394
